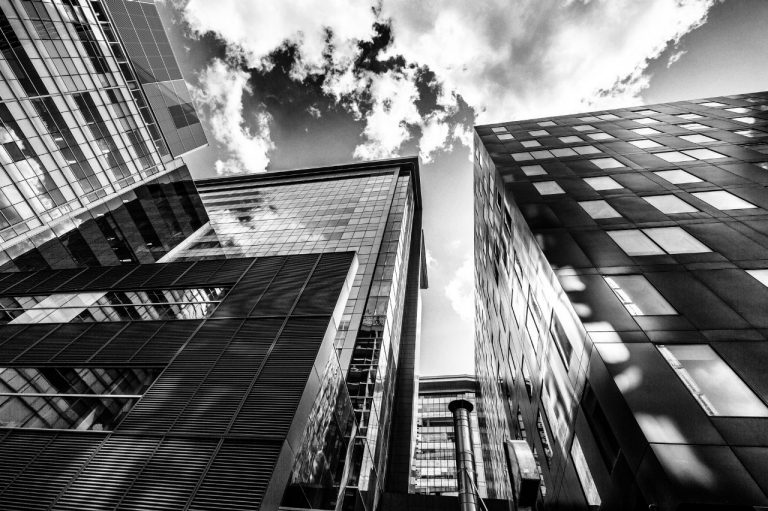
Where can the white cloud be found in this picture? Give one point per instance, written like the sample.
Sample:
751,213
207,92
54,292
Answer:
220,94
675,57
460,290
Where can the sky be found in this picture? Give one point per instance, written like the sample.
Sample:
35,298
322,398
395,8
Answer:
305,83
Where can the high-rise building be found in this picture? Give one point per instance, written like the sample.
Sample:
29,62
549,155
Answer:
621,264
266,359
92,105
433,470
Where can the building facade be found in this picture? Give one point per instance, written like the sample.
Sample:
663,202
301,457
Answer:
82,121
314,266
433,470
621,265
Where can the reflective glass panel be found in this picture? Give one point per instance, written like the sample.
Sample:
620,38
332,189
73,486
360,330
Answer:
723,200
638,296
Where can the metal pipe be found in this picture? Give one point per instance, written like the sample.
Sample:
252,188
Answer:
465,454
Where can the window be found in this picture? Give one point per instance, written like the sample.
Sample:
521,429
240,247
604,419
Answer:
538,133
690,117
111,306
645,120
533,170
499,129
646,112
645,131
656,241
505,136
739,110
600,136
723,200
586,149
607,117
638,296
698,139
589,118
760,275
713,104
606,163
599,209
716,387
751,133
745,120
538,155
570,140
547,123
548,188
677,176
645,144
586,480
691,154
564,151
670,204
561,340
544,437
531,143
584,127
521,156
602,183
93,399
695,126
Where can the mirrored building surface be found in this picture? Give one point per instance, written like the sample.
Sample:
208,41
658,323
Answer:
620,264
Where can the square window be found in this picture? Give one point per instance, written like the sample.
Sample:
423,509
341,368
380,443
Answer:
674,156
602,183
695,126
599,209
531,143
704,154
584,127
586,149
761,275
677,176
547,123
645,144
698,139
499,129
600,136
634,243
607,117
723,200
533,170
639,296
538,133
589,118
713,104
505,136
646,112
645,131
675,240
571,139
565,151
645,120
670,204
606,163
548,188
539,155
751,133
746,120
521,156
712,382
690,117
739,110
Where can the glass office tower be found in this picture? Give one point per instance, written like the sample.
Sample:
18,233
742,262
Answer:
433,470
82,121
621,263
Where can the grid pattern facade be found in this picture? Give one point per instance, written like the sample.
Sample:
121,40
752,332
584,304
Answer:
620,284
75,127
194,414
433,469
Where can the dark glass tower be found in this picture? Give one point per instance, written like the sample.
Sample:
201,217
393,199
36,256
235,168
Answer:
621,263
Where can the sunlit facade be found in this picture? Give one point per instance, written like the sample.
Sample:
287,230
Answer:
620,267
81,121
